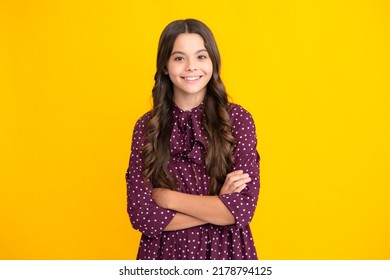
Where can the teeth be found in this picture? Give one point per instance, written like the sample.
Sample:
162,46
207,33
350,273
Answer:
191,78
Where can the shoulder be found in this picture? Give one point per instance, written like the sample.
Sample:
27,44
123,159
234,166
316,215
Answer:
139,129
239,115
141,123
243,128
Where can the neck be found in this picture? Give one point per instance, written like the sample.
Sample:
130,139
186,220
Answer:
188,102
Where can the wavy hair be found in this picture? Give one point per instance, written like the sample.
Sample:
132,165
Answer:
215,120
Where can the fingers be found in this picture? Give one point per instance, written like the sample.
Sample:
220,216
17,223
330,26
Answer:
236,175
235,181
239,188
239,185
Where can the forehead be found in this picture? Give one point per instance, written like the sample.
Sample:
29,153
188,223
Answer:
188,42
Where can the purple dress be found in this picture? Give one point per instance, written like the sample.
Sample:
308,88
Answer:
187,164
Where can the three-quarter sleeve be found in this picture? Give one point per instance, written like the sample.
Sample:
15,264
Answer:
242,205
144,213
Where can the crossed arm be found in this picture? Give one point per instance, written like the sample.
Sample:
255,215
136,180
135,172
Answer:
194,210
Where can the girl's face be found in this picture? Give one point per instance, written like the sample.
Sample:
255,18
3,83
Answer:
189,67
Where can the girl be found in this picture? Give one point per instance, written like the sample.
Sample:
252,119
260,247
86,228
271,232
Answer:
193,176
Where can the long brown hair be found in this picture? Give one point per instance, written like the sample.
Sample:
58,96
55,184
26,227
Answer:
216,121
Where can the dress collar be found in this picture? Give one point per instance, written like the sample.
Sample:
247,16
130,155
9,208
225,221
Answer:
189,133
193,110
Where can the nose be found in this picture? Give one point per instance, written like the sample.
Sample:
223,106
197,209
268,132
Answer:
191,66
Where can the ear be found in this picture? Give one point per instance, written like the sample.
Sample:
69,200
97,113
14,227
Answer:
165,70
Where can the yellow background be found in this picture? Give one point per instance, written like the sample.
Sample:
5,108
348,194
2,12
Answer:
76,75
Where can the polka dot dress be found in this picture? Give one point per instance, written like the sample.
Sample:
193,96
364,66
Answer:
188,145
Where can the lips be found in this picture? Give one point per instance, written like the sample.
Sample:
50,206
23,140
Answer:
193,78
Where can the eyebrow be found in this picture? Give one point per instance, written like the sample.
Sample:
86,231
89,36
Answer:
179,52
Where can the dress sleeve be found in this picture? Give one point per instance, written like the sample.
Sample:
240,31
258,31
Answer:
144,213
242,205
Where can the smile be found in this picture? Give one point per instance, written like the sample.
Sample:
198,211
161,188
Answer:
192,78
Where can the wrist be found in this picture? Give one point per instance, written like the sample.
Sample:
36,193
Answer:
171,199
167,199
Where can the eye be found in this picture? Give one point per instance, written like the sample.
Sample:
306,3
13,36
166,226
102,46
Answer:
201,57
178,58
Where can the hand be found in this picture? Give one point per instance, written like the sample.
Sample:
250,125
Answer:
161,196
235,182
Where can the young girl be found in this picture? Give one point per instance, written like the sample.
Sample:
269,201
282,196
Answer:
193,176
